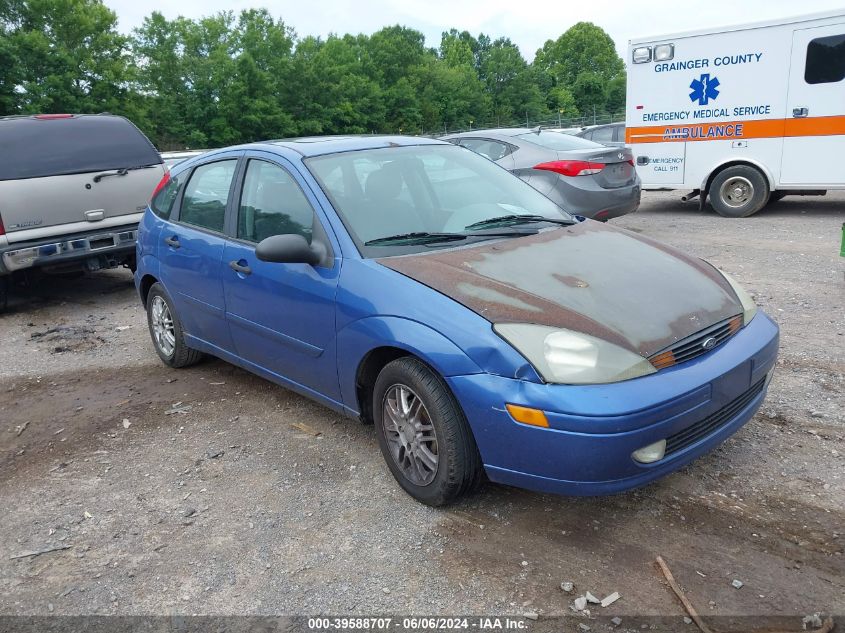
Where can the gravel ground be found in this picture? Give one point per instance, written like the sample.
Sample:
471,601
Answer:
253,500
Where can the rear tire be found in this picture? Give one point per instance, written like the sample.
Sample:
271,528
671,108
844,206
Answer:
423,433
739,191
166,330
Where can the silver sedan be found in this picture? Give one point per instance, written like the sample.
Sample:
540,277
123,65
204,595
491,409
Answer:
581,176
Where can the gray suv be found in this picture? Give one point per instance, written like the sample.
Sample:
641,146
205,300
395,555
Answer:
72,191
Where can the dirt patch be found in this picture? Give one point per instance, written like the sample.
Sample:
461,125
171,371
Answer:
68,338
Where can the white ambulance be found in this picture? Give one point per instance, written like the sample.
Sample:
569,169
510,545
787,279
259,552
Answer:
742,114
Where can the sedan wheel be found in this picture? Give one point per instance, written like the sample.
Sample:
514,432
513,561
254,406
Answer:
410,434
423,433
166,330
161,323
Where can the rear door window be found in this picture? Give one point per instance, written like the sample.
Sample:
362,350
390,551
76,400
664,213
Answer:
825,60
206,195
272,203
76,144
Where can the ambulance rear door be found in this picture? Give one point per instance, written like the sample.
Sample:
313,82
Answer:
814,143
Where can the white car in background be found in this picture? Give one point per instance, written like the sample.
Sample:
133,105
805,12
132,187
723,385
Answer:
174,158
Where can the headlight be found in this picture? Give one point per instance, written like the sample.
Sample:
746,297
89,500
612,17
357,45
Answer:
749,308
563,356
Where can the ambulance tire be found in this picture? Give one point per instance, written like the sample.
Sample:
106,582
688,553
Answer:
739,191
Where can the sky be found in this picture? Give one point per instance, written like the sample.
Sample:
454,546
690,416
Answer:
529,23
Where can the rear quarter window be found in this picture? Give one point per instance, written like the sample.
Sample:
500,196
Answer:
162,203
37,148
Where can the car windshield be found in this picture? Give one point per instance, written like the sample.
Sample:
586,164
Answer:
430,189
558,141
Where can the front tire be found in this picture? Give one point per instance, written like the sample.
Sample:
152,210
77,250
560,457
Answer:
423,433
166,330
739,191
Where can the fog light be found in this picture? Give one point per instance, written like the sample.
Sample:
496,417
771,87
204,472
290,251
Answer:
651,453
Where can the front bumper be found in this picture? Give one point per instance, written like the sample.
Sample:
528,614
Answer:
55,251
593,429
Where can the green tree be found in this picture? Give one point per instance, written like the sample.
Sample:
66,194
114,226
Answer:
263,48
9,68
329,89
510,84
584,47
616,95
159,53
394,51
452,96
562,102
455,50
63,56
589,93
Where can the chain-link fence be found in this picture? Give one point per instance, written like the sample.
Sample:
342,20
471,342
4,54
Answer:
557,122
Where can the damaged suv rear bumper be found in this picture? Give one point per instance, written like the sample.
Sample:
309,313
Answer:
111,243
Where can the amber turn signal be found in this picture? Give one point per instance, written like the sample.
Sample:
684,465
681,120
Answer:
527,415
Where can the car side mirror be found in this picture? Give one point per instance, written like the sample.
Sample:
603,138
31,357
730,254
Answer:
290,248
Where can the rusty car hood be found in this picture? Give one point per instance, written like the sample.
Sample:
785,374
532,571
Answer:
589,277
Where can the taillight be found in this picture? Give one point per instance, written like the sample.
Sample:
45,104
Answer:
2,228
48,117
630,161
571,167
161,184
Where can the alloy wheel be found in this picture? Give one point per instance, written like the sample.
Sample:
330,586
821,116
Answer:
164,333
410,434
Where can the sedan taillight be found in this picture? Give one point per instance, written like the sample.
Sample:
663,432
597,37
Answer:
2,228
571,167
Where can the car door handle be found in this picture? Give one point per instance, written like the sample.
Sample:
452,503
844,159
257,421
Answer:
800,112
238,268
172,241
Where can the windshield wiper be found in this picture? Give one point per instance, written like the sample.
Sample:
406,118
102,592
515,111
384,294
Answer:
120,172
424,237
517,219
417,237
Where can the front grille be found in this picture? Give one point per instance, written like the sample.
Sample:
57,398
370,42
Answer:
713,422
697,344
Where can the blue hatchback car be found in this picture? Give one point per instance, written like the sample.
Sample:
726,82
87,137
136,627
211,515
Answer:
483,330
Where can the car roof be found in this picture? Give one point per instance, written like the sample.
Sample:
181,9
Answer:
319,145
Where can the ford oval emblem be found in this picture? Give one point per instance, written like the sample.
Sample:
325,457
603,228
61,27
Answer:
708,344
